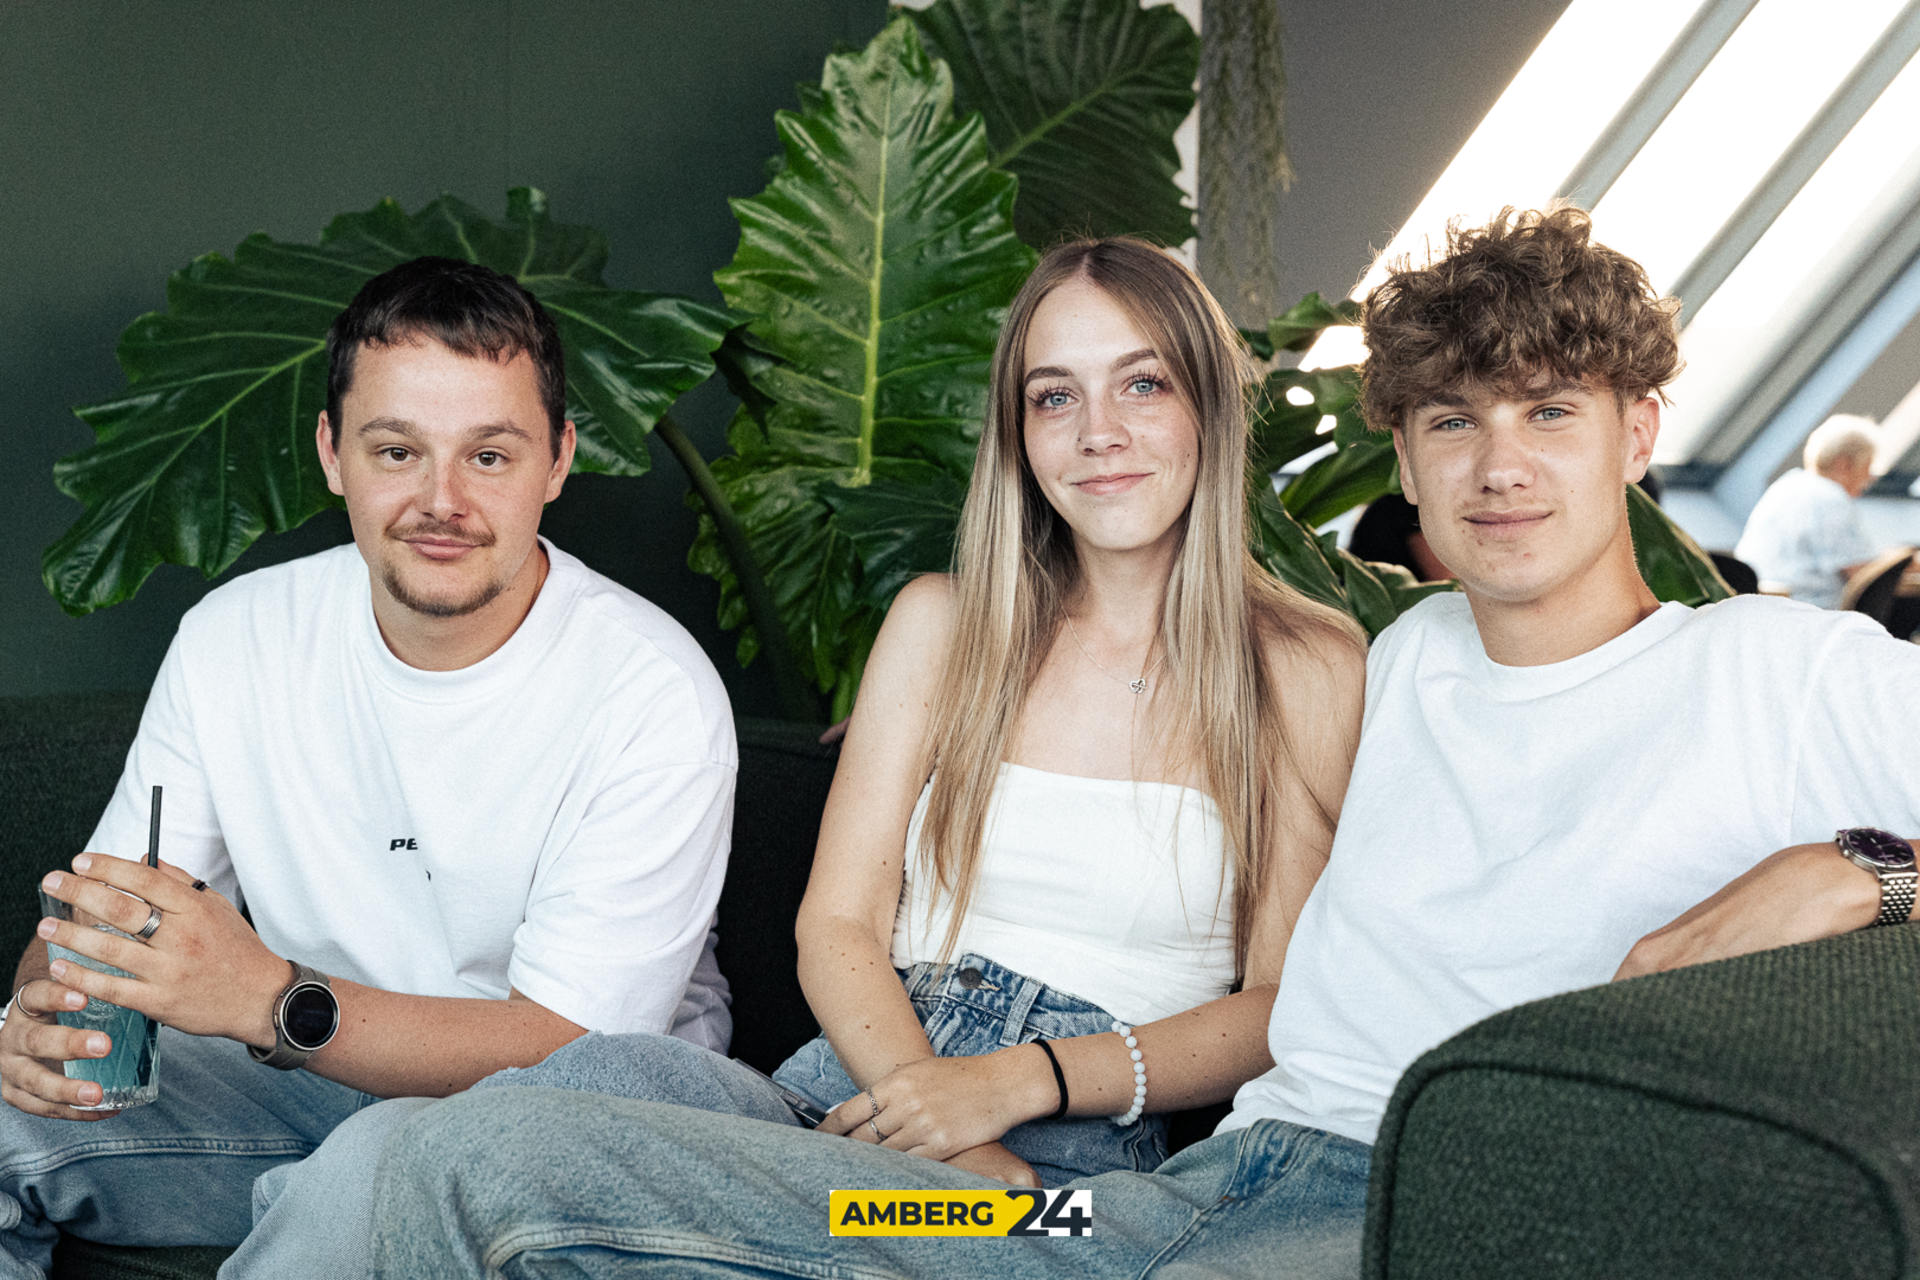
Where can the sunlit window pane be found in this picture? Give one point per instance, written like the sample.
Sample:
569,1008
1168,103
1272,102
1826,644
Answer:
1769,296
1762,88
1570,89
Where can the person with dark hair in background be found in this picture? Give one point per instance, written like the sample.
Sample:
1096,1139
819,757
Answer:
1388,532
474,798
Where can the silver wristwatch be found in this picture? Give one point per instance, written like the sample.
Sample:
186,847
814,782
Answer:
305,1016
1891,859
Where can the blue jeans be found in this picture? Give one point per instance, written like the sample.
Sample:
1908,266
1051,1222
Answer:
530,1183
313,1218
177,1171
972,1006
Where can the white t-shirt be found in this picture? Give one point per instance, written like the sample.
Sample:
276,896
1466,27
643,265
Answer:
1511,832
1802,533
554,818
1112,891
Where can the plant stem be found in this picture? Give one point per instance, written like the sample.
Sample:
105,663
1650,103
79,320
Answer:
797,701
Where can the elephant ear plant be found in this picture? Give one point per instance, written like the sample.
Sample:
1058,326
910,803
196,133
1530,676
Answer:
864,298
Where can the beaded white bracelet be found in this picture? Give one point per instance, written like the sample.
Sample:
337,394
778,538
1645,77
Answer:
1125,1032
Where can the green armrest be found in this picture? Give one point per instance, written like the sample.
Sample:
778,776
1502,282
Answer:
1751,1118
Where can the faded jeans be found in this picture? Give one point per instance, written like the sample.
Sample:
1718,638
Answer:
530,1184
313,1218
177,1171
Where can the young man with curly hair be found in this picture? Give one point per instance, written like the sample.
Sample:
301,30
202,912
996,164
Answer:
1560,781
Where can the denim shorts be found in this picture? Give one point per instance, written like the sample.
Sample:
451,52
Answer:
974,1006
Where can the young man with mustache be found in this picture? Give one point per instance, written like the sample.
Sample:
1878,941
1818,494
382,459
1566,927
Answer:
475,798
1560,781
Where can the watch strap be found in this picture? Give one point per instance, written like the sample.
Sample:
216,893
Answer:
285,1055
1896,896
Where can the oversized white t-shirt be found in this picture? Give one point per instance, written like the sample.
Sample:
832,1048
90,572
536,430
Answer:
554,818
1804,530
1510,832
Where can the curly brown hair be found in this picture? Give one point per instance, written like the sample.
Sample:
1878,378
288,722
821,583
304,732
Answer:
1526,297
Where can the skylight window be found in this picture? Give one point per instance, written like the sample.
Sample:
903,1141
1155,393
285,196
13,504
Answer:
1758,158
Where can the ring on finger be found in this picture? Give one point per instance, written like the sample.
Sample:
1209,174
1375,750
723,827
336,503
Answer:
152,926
877,1135
874,1103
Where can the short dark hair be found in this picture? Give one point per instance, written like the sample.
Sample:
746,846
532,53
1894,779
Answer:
470,309
1527,296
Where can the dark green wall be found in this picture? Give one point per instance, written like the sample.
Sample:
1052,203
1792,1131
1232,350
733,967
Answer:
136,136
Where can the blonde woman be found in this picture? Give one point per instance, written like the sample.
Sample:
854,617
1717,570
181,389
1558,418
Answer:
1092,775
1089,781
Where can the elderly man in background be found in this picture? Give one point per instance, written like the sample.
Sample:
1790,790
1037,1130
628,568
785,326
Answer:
1805,533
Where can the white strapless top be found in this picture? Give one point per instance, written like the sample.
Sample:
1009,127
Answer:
1112,891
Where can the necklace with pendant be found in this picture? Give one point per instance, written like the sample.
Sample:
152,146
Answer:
1138,685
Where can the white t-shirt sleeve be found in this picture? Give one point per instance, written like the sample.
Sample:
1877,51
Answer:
166,753
616,923
1859,755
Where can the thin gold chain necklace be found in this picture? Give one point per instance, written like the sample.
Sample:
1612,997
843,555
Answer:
1138,685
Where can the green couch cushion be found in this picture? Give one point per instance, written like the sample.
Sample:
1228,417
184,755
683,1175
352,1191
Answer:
1754,1117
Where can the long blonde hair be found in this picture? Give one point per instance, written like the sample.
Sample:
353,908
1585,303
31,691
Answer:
1015,567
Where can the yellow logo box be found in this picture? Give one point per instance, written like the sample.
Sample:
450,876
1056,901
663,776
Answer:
1018,1212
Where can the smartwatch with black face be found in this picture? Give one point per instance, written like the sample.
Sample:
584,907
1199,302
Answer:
305,1017
1891,859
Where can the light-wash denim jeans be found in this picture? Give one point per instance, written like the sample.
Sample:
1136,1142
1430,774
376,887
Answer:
530,1183
177,1171
313,1218
972,1006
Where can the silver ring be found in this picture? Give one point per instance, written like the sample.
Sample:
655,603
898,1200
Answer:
877,1135
875,1104
152,925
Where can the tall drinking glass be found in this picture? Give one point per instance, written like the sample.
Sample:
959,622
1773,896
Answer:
126,1076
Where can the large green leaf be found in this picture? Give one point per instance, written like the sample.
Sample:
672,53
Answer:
1672,563
211,445
878,263
1081,99
1375,594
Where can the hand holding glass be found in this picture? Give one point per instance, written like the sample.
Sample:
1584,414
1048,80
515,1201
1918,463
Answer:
126,1075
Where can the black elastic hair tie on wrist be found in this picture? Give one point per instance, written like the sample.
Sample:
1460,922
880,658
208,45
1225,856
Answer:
1059,1078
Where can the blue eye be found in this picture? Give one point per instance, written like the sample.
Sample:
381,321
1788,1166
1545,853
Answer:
1144,386
1451,424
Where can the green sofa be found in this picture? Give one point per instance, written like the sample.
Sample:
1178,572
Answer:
1752,1118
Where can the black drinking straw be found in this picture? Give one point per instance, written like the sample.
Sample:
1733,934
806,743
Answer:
153,831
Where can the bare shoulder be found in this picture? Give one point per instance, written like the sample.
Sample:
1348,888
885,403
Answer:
911,649
919,624
1320,668
928,601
